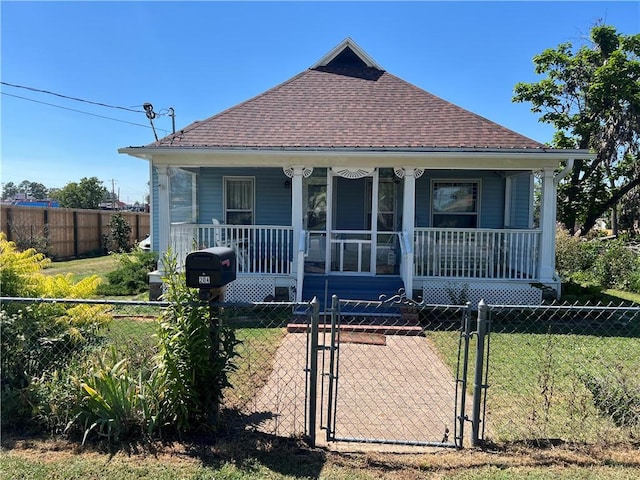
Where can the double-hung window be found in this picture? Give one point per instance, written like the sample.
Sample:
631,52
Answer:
239,196
455,203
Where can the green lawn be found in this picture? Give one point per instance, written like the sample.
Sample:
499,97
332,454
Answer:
84,267
538,384
622,295
255,364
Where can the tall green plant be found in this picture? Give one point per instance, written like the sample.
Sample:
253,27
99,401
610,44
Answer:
117,404
196,354
591,95
120,231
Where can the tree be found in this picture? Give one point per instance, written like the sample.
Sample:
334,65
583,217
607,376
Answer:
630,211
88,193
9,190
592,97
33,190
120,231
30,189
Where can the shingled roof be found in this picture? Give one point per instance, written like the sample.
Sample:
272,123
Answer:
346,101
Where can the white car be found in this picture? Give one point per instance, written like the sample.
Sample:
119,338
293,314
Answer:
145,245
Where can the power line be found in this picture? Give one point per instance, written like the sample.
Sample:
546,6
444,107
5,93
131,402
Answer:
128,109
80,111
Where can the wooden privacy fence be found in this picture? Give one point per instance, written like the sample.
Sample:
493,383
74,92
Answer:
67,232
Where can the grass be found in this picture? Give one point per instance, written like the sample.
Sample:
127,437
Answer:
287,459
622,295
85,267
537,386
255,364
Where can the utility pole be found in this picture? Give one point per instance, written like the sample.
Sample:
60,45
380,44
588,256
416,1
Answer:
113,194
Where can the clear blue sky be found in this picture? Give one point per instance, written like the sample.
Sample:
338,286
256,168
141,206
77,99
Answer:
203,57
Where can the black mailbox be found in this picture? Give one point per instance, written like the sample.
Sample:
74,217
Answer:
210,268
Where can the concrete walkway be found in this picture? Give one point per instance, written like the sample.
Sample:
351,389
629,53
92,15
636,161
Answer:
396,389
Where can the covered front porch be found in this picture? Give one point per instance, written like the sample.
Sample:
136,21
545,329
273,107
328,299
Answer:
441,234
439,265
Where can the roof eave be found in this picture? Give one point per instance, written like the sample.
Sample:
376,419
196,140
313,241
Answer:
452,158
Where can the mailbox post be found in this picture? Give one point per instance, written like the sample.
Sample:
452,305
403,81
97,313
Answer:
210,270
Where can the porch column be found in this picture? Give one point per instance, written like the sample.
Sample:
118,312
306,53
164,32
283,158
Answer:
548,226
297,268
163,212
408,226
296,209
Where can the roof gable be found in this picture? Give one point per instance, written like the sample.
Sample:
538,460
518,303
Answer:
346,101
346,53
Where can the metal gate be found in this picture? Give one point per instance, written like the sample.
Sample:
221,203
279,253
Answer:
392,372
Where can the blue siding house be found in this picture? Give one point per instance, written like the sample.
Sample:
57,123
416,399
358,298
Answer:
346,179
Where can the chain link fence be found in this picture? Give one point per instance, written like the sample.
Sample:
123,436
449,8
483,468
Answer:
564,373
394,373
385,374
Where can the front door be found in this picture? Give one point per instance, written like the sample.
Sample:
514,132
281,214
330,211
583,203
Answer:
351,234
342,238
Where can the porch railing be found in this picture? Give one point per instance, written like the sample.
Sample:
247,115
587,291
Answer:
477,253
259,249
350,251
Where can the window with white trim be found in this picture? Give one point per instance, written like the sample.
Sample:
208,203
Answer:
239,200
455,204
183,204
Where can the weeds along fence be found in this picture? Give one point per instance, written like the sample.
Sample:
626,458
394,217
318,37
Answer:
552,373
66,232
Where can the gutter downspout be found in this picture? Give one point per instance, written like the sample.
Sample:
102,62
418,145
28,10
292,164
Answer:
567,168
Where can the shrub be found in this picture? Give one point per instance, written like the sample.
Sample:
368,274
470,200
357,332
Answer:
16,269
26,235
617,266
131,277
573,255
39,337
573,292
634,281
54,398
606,264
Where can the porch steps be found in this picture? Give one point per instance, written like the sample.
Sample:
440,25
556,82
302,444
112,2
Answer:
349,287
360,318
